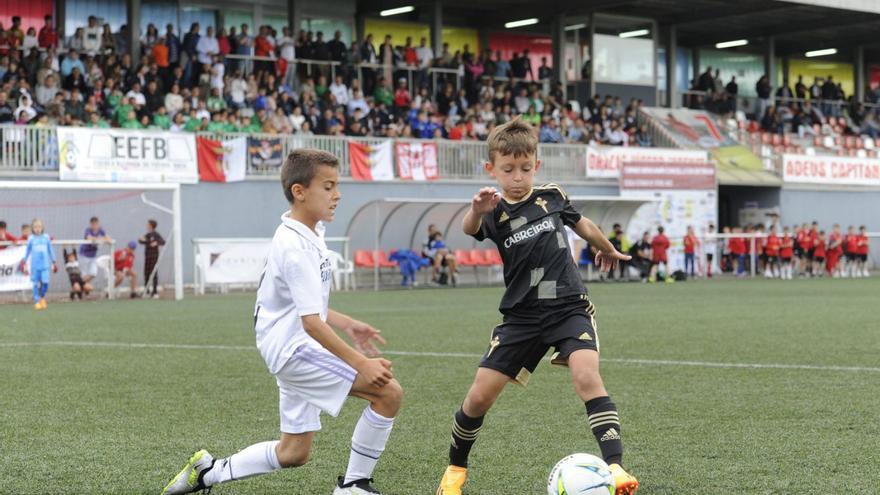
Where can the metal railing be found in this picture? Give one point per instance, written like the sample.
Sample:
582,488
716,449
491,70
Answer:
34,149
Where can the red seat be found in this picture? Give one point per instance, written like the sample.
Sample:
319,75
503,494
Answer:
463,258
817,141
479,257
494,257
364,259
786,140
383,260
777,140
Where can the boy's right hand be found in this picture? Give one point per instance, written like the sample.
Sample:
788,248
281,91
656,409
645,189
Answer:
376,371
485,200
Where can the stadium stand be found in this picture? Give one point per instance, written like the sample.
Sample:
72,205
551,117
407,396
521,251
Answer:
252,84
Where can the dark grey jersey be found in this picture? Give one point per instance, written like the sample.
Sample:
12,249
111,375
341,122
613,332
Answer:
531,237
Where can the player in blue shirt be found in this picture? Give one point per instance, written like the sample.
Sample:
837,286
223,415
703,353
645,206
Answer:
42,257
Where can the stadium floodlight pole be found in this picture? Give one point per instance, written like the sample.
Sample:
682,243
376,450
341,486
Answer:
177,246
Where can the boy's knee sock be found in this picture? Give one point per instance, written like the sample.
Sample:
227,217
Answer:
257,459
464,433
36,292
44,287
367,444
605,423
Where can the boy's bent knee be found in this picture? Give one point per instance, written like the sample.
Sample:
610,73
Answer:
390,397
289,458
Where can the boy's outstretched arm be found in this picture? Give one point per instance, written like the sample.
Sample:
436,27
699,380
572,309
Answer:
483,202
362,335
607,257
376,371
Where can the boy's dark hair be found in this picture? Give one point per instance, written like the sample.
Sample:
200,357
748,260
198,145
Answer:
301,166
2,225
93,219
517,138
153,223
660,230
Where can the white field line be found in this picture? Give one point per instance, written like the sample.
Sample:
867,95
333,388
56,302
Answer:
650,362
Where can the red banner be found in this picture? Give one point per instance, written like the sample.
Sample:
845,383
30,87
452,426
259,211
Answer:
647,175
417,161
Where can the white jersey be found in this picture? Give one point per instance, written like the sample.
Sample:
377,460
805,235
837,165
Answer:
295,283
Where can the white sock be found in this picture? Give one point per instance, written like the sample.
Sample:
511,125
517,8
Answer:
367,444
259,458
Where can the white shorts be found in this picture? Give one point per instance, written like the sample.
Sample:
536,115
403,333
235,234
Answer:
313,380
88,266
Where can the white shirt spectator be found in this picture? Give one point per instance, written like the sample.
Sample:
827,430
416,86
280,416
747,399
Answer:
173,103
29,43
238,89
136,97
217,73
296,121
288,48
358,102
340,92
425,55
92,39
206,48
203,113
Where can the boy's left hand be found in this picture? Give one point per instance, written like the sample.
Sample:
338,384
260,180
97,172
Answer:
608,261
54,268
365,337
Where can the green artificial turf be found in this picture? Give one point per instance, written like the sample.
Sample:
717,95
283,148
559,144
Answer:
98,418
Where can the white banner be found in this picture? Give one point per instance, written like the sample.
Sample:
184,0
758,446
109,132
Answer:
233,262
124,155
11,276
604,161
831,170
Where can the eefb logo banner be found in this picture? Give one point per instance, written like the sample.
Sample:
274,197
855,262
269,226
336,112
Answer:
125,155
12,278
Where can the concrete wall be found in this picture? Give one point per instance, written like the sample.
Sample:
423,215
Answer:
253,209
846,207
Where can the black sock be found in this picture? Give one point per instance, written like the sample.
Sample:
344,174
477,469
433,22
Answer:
464,434
605,423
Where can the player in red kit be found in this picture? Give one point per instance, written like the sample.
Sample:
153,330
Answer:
786,253
737,246
771,252
863,252
659,245
851,248
690,249
819,254
835,250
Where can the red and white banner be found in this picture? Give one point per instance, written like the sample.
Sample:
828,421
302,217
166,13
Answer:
831,170
417,161
222,161
371,162
604,161
677,176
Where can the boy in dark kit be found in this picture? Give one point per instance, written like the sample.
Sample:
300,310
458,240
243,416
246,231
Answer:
545,304
152,240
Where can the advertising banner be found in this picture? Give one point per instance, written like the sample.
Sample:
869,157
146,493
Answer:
233,262
603,162
11,276
125,155
840,170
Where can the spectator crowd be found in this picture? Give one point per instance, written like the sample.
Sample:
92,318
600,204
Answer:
234,80
800,109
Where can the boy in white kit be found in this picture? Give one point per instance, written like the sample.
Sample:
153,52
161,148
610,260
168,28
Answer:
316,370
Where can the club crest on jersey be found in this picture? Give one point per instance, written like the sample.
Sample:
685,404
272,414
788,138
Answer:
504,217
542,203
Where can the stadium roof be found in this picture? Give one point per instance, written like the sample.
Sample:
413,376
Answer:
797,25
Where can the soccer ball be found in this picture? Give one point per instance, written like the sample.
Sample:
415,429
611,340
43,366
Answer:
581,474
